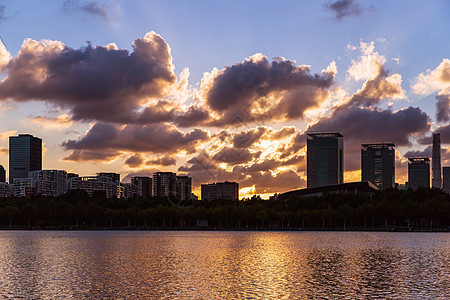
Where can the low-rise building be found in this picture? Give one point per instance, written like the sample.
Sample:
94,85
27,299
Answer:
49,182
144,184
5,190
220,191
23,187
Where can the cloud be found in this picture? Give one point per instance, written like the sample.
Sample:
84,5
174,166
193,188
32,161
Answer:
93,83
142,172
155,138
61,122
89,7
134,161
162,161
5,56
257,90
6,134
443,105
255,158
436,80
415,153
87,155
344,8
374,124
433,80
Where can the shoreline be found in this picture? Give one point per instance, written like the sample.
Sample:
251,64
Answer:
132,228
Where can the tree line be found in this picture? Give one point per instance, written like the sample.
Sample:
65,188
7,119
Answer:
389,209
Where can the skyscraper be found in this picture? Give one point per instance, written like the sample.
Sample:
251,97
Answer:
446,181
25,154
324,158
378,164
2,174
418,172
436,161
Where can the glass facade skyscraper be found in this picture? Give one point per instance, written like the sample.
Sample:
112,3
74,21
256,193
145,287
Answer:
436,161
25,154
324,158
378,164
418,172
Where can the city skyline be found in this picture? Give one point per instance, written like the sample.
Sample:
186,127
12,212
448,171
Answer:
223,93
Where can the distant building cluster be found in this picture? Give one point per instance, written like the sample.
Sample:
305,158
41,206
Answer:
325,163
27,178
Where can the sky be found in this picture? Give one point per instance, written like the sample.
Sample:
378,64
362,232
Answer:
223,90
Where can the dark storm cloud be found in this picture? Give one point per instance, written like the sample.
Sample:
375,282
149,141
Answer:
233,156
373,124
86,155
258,90
247,138
344,8
134,161
163,161
416,153
443,107
94,83
444,131
89,7
155,138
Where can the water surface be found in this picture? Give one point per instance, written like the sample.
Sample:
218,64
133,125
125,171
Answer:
223,265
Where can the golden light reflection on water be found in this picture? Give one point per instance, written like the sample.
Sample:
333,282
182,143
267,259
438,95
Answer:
223,265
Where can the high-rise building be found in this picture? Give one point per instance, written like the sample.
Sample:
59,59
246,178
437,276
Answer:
184,188
446,179
2,174
324,159
436,161
220,191
164,184
114,176
378,164
144,184
25,154
418,172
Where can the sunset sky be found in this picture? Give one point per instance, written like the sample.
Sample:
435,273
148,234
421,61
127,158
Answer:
223,90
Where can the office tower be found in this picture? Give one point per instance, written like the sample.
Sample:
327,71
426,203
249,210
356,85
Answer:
220,191
2,174
164,184
25,154
446,179
324,159
436,161
144,184
49,182
418,172
184,188
114,176
378,164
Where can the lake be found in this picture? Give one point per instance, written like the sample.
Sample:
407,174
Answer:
223,265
